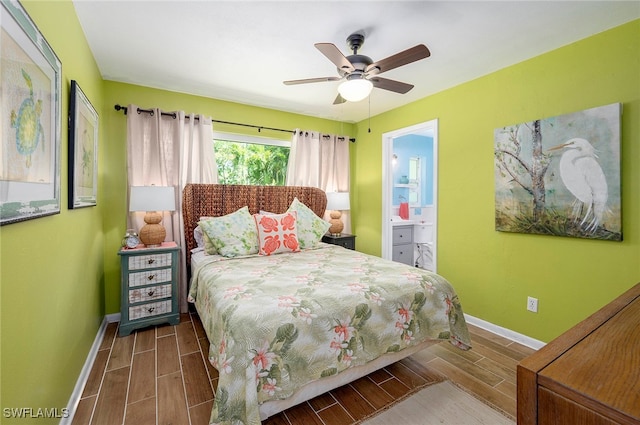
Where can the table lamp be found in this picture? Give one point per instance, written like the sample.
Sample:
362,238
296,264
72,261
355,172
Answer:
153,200
336,202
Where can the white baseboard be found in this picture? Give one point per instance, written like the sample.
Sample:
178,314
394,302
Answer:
74,400
113,317
507,333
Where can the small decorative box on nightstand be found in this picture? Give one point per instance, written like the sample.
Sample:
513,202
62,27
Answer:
149,287
344,239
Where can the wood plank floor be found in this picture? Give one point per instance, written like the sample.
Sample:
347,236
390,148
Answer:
161,375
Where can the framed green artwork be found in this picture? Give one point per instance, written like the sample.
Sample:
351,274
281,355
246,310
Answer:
30,147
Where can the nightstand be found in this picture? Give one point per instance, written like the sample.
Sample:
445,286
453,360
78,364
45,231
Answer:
149,287
344,239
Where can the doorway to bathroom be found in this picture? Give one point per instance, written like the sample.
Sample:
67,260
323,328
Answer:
410,194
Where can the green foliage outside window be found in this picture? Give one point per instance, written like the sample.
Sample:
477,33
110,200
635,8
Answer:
250,163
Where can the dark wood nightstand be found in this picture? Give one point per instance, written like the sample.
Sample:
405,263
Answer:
344,239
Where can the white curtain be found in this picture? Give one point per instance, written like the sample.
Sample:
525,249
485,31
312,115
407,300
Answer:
169,150
320,160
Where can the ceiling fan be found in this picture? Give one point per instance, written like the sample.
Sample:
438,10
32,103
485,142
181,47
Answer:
361,73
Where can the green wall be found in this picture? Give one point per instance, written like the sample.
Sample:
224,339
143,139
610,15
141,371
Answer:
495,272
51,271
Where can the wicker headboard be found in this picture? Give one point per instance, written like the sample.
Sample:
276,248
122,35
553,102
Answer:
214,200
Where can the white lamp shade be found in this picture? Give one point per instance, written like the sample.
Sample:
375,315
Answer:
338,201
355,90
152,198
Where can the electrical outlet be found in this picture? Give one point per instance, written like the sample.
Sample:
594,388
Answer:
532,304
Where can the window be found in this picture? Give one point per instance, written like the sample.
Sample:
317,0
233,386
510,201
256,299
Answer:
251,160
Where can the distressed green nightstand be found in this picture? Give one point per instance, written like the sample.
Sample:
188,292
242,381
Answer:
149,287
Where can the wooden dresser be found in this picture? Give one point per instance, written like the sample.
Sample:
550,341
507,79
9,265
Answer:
588,375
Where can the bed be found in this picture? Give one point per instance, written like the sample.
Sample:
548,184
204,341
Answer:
288,326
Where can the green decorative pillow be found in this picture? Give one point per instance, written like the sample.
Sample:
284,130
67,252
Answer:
233,234
203,240
311,228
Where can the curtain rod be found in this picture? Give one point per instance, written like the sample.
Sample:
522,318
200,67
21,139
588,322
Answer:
173,114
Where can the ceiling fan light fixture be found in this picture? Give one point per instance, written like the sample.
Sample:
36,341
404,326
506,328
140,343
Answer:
354,90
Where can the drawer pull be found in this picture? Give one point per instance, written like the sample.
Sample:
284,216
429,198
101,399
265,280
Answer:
151,276
151,261
150,293
150,309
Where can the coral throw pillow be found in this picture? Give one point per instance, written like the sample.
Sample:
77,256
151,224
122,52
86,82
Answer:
277,233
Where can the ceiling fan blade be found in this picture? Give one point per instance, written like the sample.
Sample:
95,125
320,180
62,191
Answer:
391,85
403,58
339,100
335,55
311,80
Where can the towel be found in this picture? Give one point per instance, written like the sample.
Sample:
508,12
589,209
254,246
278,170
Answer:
404,210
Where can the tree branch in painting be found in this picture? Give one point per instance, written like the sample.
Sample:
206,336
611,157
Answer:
530,177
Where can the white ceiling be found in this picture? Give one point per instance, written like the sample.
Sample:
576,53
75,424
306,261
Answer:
242,51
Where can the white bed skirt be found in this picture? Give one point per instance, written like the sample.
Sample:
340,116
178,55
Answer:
323,385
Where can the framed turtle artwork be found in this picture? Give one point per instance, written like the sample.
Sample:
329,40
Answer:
83,150
30,82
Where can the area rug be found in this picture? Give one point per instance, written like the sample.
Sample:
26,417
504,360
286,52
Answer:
441,403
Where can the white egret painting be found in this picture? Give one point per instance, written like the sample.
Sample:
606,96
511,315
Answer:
561,175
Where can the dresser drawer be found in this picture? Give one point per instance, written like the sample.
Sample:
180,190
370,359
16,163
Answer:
403,254
140,262
149,277
402,235
149,293
149,310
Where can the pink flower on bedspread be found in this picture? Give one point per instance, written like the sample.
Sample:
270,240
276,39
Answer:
449,303
412,276
306,315
288,302
376,298
428,286
347,357
358,287
263,358
239,291
303,279
401,326
405,314
337,346
270,387
226,365
344,330
408,337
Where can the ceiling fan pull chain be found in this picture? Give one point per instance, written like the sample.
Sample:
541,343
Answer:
369,113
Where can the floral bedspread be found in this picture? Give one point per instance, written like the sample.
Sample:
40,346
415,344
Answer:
278,322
